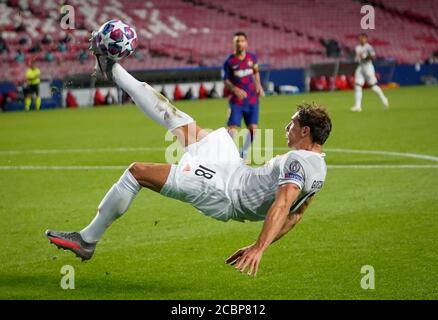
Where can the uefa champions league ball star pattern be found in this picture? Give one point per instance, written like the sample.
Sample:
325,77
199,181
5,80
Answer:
116,39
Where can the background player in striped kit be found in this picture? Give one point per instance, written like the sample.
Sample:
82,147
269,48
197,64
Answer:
242,78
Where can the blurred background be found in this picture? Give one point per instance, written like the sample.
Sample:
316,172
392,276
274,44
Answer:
302,45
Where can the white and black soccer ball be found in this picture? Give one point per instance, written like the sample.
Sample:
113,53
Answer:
116,39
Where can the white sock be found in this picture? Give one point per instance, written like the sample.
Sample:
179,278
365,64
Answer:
379,92
232,133
246,145
151,102
114,204
358,96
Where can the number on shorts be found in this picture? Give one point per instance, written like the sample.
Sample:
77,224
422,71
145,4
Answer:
204,172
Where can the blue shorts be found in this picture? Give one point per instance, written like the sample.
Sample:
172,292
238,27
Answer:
249,112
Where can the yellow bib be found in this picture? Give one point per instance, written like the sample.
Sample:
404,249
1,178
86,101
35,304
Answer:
33,76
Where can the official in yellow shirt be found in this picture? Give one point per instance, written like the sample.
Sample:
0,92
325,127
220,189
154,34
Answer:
33,75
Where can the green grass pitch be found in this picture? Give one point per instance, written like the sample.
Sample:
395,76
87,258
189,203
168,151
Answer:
384,215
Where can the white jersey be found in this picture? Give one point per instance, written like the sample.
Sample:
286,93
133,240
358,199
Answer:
254,189
214,179
365,69
363,52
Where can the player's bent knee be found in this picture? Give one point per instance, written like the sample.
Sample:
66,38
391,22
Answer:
138,170
150,175
142,171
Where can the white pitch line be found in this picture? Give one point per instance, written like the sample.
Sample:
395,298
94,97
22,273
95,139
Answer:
387,153
155,149
378,152
80,150
383,166
86,168
61,168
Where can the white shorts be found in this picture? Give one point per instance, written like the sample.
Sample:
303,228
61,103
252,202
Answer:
365,72
203,175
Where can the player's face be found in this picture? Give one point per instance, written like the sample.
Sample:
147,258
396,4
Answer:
363,40
293,131
240,44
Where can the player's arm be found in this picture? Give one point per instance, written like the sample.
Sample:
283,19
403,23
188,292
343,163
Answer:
29,77
35,76
369,55
293,218
276,218
258,83
241,94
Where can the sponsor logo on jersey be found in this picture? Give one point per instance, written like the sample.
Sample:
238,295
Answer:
243,73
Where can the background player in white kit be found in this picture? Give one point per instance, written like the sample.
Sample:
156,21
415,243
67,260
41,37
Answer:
212,177
365,72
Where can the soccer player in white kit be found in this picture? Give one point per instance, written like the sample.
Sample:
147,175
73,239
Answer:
365,72
212,177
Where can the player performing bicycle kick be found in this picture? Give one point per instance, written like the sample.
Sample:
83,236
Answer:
212,176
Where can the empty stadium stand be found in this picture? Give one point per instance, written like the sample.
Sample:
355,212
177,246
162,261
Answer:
190,33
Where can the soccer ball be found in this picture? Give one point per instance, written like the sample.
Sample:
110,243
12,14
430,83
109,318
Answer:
116,39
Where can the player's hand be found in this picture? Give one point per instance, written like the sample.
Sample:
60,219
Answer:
246,258
241,94
260,91
232,260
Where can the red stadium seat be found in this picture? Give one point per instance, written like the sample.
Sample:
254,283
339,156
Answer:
341,82
170,36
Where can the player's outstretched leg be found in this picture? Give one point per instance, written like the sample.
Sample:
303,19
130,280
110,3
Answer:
151,102
27,102
115,203
357,99
381,95
248,141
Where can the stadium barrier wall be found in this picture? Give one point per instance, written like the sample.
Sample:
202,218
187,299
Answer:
402,74
85,96
409,75
50,92
53,92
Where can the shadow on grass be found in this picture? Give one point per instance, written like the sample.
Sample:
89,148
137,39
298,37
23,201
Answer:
106,287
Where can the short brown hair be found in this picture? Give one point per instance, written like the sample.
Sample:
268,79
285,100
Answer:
317,119
240,33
